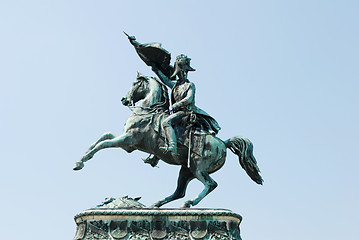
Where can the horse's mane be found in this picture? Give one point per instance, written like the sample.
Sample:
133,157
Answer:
165,98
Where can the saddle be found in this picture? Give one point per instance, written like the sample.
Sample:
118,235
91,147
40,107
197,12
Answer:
189,126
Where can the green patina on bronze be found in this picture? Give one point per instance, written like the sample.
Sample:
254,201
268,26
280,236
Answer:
125,218
179,133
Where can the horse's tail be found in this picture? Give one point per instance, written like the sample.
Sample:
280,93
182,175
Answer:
243,148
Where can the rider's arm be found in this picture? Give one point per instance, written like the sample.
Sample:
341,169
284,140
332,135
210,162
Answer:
188,100
163,77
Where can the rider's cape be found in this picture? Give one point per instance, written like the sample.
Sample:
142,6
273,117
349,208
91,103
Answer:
208,122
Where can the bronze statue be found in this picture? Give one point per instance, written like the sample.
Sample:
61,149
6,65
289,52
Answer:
180,135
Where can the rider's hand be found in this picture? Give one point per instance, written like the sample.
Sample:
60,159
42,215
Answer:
175,107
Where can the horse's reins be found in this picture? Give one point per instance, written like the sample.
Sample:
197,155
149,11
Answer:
151,110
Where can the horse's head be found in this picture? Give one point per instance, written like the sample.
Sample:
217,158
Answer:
153,93
138,91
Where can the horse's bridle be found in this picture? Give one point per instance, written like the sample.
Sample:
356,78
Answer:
152,109
130,97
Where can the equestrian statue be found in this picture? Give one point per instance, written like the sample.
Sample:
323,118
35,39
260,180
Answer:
173,129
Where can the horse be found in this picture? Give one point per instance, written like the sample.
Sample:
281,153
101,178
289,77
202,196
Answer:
152,101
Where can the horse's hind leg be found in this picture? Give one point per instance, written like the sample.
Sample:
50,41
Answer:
209,186
185,176
105,136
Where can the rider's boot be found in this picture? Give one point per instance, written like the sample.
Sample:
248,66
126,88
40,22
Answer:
153,161
171,139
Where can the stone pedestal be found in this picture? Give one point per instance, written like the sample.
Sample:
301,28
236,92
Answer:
106,222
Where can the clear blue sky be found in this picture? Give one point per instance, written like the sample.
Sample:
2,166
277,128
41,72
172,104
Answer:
282,73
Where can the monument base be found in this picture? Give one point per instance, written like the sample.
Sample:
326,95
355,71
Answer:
113,221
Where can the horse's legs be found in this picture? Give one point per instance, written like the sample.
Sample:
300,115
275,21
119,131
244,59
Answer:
105,136
209,186
121,141
185,176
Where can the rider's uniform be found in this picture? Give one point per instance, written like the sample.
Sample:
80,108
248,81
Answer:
183,98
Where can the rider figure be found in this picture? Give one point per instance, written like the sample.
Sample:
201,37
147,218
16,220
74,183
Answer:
183,102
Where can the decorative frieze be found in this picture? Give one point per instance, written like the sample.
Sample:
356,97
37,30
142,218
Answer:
126,218
157,224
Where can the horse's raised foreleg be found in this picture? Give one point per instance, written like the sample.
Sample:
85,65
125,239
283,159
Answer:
105,136
185,176
209,186
122,141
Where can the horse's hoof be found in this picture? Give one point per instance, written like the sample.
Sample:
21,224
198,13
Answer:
186,204
156,204
78,166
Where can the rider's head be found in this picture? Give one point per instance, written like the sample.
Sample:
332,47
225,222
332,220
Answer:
182,66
